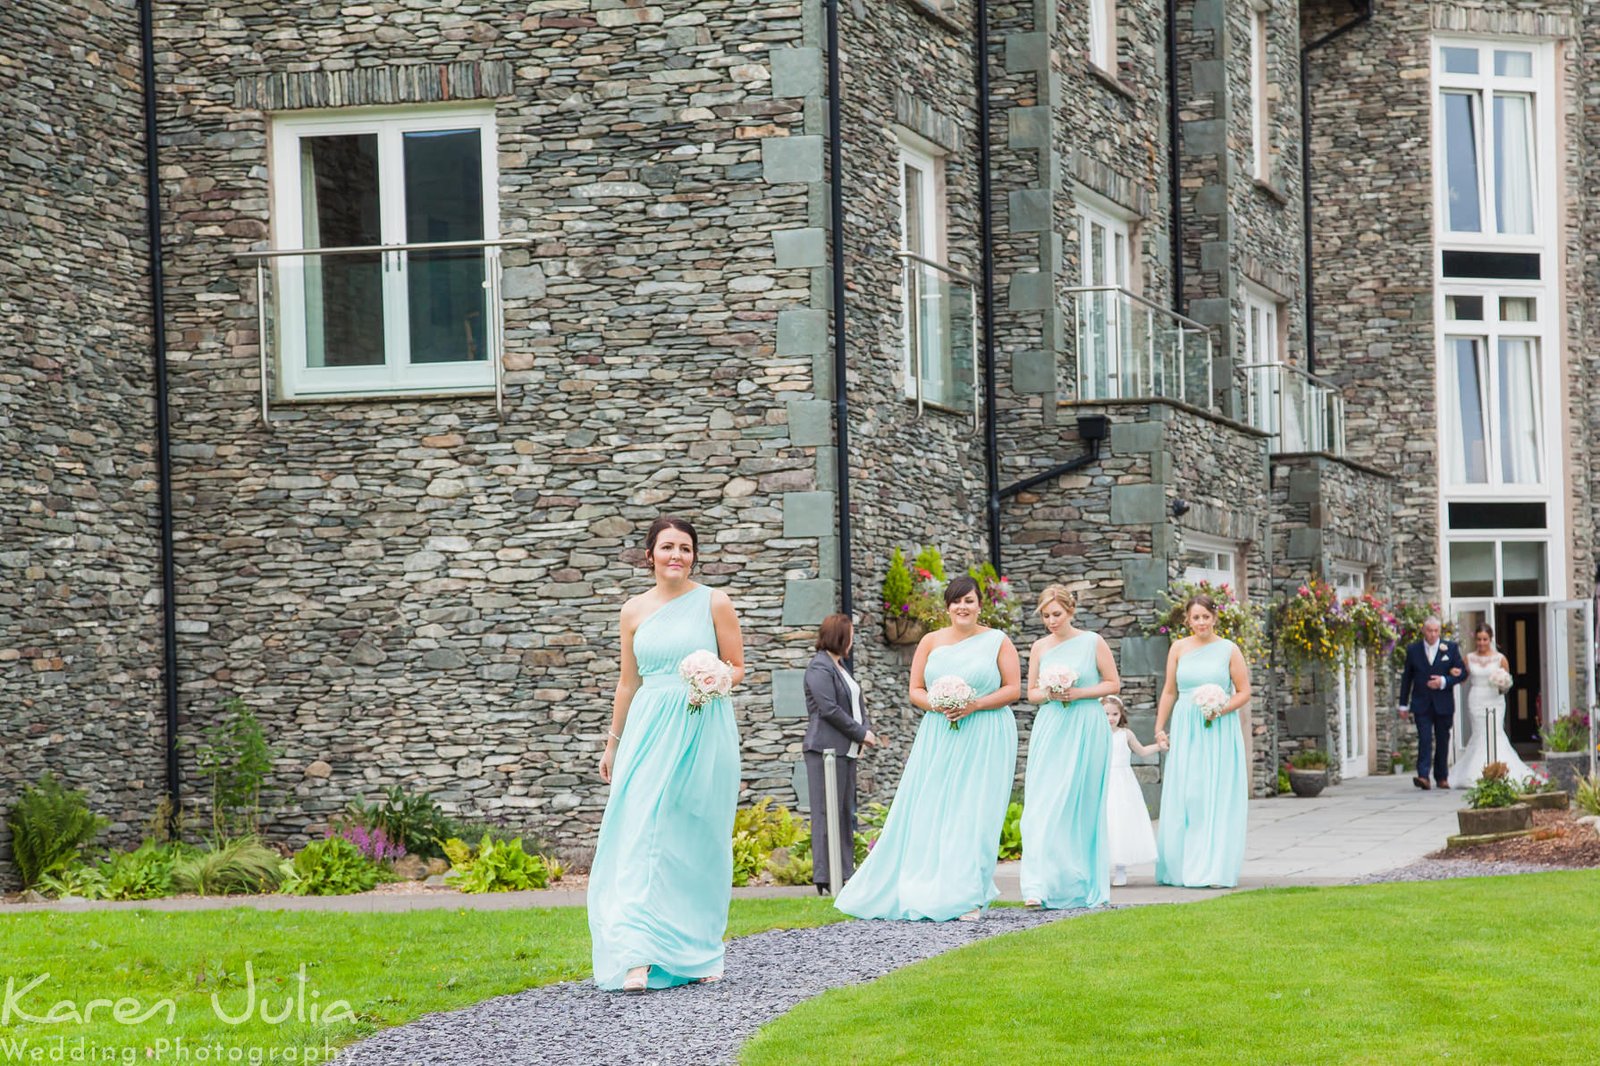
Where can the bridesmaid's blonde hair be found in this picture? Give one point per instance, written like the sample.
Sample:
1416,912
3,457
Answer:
1122,709
1057,594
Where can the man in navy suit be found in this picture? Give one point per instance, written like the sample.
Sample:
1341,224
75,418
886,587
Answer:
1433,667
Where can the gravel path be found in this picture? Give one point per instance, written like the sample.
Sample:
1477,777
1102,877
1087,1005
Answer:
694,1025
1445,869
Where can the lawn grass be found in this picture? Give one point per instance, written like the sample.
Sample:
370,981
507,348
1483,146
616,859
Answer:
389,968
1490,970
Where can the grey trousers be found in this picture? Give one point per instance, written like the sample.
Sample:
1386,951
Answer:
845,775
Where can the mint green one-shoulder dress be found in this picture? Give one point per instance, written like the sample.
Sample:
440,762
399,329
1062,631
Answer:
1065,861
1204,782
936,857
663,864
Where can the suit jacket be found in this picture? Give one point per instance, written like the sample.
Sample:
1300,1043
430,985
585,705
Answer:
1414,690
829,723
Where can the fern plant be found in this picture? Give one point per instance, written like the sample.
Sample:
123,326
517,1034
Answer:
235,758
50,825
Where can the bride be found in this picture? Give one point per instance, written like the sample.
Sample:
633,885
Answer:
1486,708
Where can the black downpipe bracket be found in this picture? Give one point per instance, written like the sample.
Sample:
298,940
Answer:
991,440
158,329
841,385
1365,8
1092,429
1174,159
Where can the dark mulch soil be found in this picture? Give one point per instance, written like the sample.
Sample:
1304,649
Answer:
1557,841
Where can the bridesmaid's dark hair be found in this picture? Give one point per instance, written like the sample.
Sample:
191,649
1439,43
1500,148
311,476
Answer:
1199,599
959,588
660,526
834,635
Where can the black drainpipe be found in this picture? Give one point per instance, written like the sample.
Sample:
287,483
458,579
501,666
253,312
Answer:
1092,429
841,394
1174,158
158,326
991,441
1305,167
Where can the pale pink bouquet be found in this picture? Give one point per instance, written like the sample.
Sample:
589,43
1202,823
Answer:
1210,699
949,693
708,678
1501,681
1057,679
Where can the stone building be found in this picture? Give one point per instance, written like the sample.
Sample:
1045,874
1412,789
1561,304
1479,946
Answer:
409,483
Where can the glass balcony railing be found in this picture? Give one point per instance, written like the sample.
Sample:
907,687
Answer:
1131,348
378,319
1302,412
940,317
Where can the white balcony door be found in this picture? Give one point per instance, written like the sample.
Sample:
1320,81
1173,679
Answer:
1353,690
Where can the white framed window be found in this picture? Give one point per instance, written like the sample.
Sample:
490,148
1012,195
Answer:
937,310
1103,35
1105,257
1263,354
1499,566
1493,387
1211,559
384,322
1494,138
1260,106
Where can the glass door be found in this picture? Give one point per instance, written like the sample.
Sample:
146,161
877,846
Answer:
1570,662
1353,690
1465,616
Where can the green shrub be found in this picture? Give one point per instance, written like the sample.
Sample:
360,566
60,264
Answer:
929,560
792,865
1588,797
869,818
235,758
50,825
1309,759
757,831
415,821
496,866
1494,789
331,867
1568,733
1011,833
229,867
73,880
897,586
144,873
1283,781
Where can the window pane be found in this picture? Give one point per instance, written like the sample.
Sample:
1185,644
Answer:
1524,573
1468,457
1099,35
1519,309
1513,163
1464,308
1513,64
1460,60
1461,162
444,202
1519,411
1472,568
339,209
915,208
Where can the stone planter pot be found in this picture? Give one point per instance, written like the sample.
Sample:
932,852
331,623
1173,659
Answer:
1307,783
1494,819
1546,801
903,630
1565,768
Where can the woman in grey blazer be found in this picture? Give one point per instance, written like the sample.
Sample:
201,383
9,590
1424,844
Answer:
835,719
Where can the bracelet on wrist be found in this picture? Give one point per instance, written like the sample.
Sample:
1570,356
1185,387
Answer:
613,736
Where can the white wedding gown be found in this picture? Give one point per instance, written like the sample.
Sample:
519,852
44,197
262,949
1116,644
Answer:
1486,708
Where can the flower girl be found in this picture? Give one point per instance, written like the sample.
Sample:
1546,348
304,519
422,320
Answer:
1127,818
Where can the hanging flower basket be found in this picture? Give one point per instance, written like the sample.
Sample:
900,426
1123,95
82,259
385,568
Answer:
903,630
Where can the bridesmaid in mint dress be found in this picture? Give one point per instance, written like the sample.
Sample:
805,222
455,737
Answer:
1065,861
1205,781
663,864
936,856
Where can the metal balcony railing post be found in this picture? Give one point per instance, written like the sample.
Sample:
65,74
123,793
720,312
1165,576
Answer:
261,336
